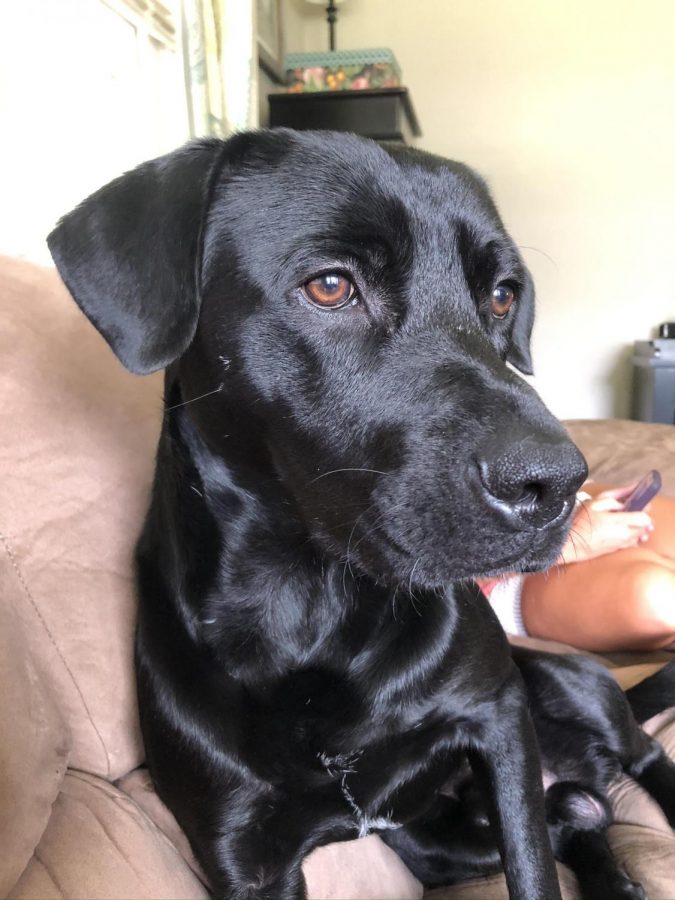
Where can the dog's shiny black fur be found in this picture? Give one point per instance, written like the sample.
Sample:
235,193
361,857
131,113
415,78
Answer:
588,733
310,655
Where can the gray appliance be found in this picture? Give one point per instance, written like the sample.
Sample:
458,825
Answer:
654,381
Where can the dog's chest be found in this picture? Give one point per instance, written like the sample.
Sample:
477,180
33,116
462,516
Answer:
377,764
387,781
340,768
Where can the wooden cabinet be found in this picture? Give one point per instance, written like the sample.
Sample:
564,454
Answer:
384,114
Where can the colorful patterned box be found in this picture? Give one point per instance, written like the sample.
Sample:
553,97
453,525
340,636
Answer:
342,70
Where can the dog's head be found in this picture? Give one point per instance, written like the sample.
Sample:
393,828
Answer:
347,313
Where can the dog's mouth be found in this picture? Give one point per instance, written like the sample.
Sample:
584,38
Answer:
426,562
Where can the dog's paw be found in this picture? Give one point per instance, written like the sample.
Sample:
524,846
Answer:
624,888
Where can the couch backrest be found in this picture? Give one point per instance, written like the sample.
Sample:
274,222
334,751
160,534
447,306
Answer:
76,459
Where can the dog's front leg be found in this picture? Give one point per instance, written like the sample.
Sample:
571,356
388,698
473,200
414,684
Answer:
253,864
507,763
289,886
260,856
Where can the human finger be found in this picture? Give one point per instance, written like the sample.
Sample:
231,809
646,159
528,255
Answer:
605,504
618,493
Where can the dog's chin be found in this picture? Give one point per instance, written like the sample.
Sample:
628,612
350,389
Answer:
387,562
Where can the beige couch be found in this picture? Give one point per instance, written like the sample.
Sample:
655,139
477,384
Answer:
78,815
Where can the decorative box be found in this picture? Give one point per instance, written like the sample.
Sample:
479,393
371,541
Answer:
342,70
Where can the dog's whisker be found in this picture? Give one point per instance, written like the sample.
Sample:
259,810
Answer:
577,540
412,573
335,472
393,604
541,253
367,533
377,522
194,399
351,535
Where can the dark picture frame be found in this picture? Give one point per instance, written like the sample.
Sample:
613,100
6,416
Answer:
269,37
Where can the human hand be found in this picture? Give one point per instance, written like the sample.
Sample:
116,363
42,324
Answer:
601,526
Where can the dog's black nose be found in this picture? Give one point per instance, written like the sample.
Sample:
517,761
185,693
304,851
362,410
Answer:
533,478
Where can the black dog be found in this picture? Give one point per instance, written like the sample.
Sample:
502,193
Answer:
343,444
588,735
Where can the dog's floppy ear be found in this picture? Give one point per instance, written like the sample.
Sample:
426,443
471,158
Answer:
130,255
519,354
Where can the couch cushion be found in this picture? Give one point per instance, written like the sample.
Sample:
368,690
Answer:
631,804
100,844
34,744
619,451
76,460
494,888
647,856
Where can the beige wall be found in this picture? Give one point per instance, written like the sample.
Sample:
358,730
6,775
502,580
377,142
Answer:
567,107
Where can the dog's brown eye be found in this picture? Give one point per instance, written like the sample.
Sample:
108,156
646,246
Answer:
502,300
330,291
